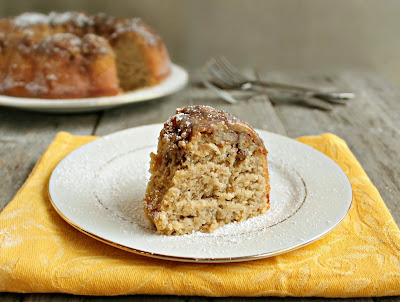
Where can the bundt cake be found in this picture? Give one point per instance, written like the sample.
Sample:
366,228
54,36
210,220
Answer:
210,169
76,55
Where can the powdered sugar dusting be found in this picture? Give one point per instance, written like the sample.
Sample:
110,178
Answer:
29,19
120,186
149,37
200,118
79,19
36,88
286,197
121,183
137,26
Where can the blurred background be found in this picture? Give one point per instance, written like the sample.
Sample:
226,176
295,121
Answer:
265,34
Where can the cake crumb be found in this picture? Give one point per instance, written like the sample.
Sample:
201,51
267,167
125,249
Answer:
210,170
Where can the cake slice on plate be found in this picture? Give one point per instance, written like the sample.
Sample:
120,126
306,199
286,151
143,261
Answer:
210,169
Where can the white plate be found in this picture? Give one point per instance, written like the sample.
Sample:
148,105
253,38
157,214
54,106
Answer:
175,82
99,190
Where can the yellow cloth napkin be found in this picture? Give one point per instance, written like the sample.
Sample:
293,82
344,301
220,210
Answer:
40,252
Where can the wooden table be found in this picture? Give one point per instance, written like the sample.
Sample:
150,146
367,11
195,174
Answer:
370,124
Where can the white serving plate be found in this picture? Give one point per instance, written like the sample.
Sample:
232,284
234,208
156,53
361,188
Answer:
175,82
99,188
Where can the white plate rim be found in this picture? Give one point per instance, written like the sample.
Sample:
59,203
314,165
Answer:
176,81
348,204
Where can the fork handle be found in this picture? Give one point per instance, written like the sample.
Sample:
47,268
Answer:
305,91
275,85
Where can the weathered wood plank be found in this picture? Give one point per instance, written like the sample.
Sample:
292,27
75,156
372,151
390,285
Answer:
313,299
379,91
387,299
11,297
278,299
259,112
70,298
365,123
23,138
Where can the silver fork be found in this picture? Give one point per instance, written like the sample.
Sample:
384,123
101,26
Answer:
225,95
226,76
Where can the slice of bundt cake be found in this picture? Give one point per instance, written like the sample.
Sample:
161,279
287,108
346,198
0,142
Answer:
210,169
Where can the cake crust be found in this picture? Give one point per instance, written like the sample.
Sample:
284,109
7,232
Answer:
210,169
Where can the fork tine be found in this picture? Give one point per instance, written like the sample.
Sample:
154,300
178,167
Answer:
225,73
224,66
219,75
215,74
223,94
229,69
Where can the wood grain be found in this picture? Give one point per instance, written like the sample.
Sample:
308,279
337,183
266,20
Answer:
24,136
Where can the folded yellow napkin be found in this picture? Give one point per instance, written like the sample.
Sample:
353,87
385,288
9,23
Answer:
40,252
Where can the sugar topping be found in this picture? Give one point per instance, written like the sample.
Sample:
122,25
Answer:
79,19
31,19
61,43
139,27
82,20
72,39
204,119
36,88
95,44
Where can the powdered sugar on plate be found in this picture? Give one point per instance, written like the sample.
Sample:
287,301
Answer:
99,189
121,182
120,186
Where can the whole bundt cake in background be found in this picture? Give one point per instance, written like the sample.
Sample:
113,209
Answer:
76,55
210,169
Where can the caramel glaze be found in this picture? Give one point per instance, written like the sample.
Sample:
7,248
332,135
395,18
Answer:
191,120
